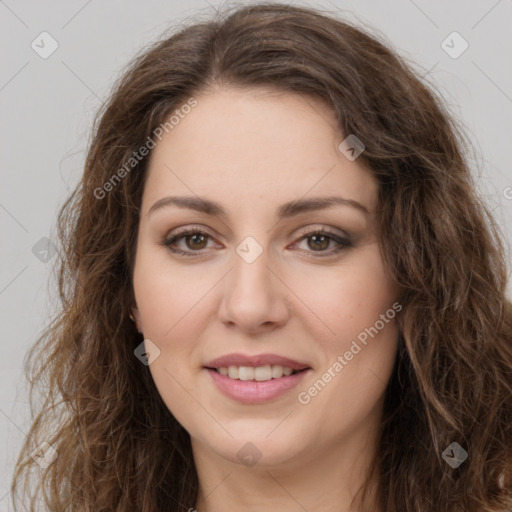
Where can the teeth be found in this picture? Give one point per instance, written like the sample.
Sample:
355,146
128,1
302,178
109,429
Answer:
263,372
259,373
246,373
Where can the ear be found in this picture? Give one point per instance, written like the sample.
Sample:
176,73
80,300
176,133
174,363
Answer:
136,315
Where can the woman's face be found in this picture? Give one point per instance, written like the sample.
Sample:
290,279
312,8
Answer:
277,279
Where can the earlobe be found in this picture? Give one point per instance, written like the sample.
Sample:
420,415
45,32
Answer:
135,317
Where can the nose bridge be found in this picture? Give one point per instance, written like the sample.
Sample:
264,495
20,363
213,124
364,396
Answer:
251,294
250,276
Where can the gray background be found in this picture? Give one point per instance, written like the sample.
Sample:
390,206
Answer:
47,106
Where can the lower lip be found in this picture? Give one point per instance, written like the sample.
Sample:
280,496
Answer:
255,392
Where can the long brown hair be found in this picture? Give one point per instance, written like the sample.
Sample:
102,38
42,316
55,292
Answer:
119,447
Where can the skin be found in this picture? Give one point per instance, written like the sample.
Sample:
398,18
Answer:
252,151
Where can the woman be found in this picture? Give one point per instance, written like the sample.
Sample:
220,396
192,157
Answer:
280,289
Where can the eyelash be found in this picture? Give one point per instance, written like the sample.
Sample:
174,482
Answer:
342,242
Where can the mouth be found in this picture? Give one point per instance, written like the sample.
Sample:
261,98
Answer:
266,365
255,379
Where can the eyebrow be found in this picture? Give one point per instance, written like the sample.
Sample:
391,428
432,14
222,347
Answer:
286,210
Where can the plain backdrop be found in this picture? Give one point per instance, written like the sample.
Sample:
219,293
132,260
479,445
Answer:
47,106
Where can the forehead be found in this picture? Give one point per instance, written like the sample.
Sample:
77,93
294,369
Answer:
254,145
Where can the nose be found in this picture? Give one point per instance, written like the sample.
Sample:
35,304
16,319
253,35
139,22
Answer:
254,298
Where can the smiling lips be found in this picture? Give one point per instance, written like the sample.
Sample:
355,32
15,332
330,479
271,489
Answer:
255,361
255,379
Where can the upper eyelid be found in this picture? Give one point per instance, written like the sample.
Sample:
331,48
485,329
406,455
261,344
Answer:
185,230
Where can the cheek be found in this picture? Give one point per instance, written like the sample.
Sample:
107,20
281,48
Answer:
357,304
168,301
167,296
345,300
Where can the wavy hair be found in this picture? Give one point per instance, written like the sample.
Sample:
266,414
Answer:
452,380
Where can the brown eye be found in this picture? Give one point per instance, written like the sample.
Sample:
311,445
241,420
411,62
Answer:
318,242
198,241
192,242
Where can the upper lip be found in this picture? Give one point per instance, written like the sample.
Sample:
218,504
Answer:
256,360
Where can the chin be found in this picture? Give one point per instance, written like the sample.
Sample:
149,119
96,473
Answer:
256,450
